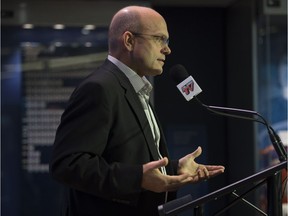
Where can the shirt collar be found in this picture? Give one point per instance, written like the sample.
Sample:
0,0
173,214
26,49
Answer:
140,84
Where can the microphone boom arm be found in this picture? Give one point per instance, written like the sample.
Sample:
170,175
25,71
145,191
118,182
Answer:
274,138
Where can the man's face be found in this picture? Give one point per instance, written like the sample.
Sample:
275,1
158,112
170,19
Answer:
150,49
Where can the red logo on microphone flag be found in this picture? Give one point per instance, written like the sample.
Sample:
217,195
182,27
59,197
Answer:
189,87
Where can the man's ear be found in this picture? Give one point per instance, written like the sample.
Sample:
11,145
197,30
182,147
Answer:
128,40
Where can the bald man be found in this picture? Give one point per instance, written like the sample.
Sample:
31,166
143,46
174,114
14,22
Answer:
109,148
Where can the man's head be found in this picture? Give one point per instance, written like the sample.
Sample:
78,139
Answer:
138,37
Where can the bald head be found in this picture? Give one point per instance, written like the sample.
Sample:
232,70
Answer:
131,18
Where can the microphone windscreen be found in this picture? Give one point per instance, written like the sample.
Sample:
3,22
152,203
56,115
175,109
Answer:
178,73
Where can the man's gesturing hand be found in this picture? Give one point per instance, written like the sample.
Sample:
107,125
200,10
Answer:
155,181
197,172
188,172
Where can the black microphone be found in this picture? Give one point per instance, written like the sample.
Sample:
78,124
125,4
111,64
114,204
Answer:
185,83
189,89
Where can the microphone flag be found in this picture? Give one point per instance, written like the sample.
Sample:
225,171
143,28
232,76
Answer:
189,88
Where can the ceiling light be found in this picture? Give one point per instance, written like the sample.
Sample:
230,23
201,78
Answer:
28,26
89,27
58,26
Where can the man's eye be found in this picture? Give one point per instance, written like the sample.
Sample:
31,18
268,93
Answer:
163,39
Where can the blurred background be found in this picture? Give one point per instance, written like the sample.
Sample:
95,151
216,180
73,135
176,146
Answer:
236,50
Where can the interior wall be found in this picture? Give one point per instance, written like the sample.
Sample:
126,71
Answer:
240,85
240,59
216,47
197,41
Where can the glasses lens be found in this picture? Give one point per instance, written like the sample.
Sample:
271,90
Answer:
162,40
159,39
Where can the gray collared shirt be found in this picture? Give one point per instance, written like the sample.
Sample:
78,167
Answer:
143,88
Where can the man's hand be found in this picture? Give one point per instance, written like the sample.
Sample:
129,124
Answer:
197,172
189,172
155,181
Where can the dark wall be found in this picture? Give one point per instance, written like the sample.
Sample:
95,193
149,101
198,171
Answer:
215,45
197,40
240,134
240,85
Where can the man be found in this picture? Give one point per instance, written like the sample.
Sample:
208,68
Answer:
109,148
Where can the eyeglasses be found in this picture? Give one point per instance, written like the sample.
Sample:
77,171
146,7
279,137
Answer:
162,40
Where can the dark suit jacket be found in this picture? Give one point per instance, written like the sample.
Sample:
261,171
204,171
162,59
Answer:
102,142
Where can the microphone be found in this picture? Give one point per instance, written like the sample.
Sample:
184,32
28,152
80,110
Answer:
189,89
186,84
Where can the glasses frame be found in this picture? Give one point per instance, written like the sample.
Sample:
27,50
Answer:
159,38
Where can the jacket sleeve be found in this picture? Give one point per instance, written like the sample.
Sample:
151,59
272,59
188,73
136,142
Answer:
80,141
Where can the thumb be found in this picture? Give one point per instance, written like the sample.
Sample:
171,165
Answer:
160,163
155,164
197,152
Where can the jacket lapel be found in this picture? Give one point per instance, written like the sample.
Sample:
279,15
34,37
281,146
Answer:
136,107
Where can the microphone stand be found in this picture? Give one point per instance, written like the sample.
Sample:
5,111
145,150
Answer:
273,182
274,138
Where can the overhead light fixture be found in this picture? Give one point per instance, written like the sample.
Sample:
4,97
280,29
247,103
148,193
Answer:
58,26
27,26
89,27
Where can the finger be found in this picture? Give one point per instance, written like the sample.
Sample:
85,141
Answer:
213,171
177,179
213,167
163,161
206,173
216,172
156,164
197,152
203,169
202,174
176,182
